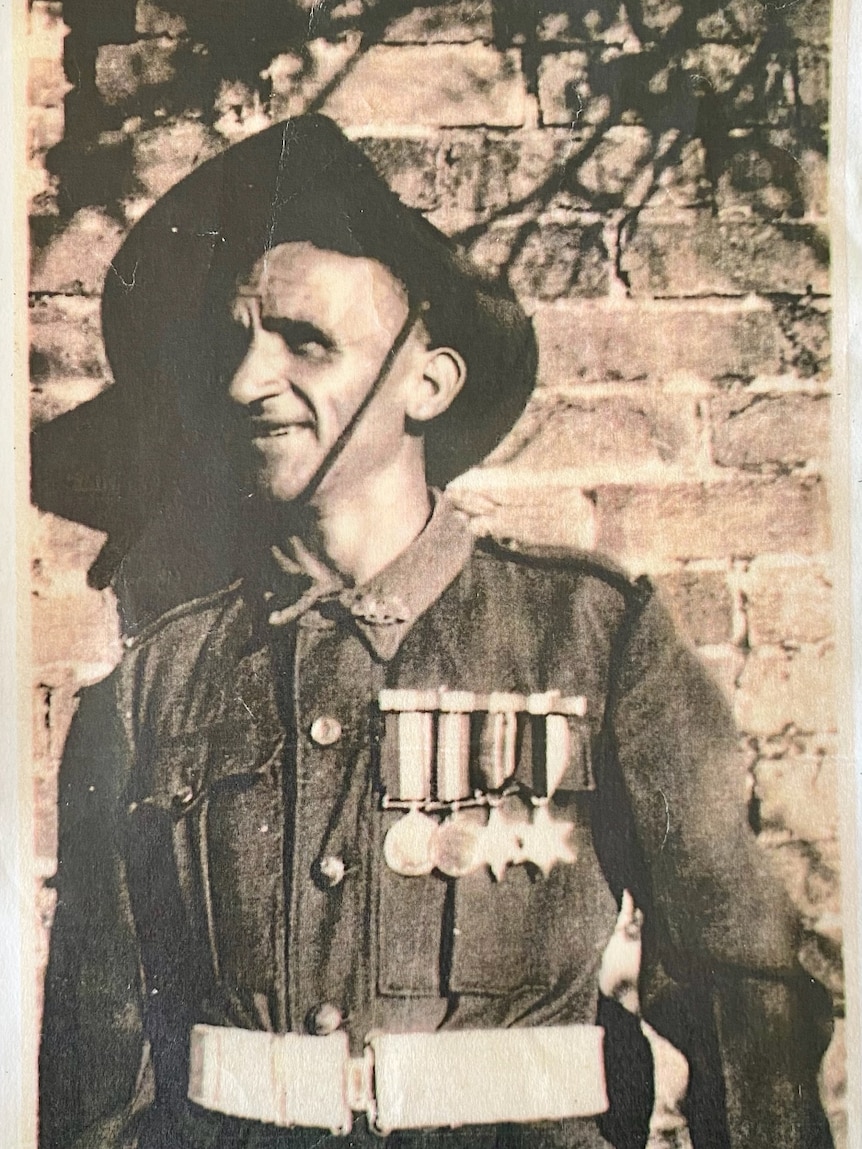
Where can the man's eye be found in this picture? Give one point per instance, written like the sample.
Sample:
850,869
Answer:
313,349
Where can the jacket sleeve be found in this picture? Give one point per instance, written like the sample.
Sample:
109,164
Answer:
92,1076
721,977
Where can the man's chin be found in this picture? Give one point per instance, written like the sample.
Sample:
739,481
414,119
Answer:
281,490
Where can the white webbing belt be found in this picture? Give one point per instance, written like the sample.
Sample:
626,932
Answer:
403,1080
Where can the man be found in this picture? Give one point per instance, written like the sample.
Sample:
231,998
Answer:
361,845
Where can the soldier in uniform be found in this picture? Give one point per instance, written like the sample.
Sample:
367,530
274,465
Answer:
403,833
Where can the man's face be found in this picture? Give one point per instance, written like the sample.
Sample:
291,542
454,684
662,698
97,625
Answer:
319,326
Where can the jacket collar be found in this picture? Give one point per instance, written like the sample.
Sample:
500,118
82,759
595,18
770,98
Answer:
384,608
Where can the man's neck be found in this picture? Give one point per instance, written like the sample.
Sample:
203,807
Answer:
360,532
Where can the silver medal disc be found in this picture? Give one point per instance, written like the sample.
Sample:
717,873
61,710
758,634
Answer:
455,846
407,845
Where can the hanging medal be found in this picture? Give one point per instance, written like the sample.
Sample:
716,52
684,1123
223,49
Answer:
501,844
407,846
546,840
455,847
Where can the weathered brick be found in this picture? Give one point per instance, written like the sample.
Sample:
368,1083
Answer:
80,629
45,127
45,821
737,20
554,261
700,603
724,664
809,21
719,66
697,254
565,96
122,70
798,796
164,155
436,85
813,86
46,31
660,15
620,168
769,431
46,83
811,873
41,730
62,699
298,79
765,92
594,341
787,603
448,22
564,22
66,337
45,903
41,191
408,165
821,956
834,1085
680,173
154,20
487,173
238,110
53,704
770,173
805,323
59,394
75,260
597,433
544,515
814,165
61,552
780,689
713,520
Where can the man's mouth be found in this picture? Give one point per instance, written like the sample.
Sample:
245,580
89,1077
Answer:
268,430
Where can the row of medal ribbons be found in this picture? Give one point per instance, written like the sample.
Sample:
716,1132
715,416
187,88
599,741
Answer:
444,747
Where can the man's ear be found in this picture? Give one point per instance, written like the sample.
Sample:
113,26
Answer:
443,375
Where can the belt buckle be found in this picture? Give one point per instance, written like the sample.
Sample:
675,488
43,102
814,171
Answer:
359,1084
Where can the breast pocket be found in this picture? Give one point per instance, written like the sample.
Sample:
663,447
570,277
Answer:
205,862
531,929
482,935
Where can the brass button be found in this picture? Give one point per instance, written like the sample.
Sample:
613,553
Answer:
330,871
325,730
183,797
326,1019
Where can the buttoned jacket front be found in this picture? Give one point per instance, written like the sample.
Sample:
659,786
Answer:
221,847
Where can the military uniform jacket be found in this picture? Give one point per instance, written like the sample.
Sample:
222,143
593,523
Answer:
221,856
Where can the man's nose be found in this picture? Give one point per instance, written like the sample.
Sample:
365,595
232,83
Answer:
263,372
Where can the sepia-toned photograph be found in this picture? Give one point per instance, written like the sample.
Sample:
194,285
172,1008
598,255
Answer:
436,731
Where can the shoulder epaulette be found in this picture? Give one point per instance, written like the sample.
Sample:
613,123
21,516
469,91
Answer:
136,637
563,558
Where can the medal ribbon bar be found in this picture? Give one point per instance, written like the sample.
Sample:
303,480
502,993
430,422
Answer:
432,733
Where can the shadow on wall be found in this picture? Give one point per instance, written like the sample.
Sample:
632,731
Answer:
708,93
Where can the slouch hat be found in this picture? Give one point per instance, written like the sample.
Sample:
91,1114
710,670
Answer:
167,292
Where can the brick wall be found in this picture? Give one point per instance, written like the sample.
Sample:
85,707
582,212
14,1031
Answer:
653,177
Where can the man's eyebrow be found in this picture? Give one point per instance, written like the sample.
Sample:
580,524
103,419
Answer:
296,330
